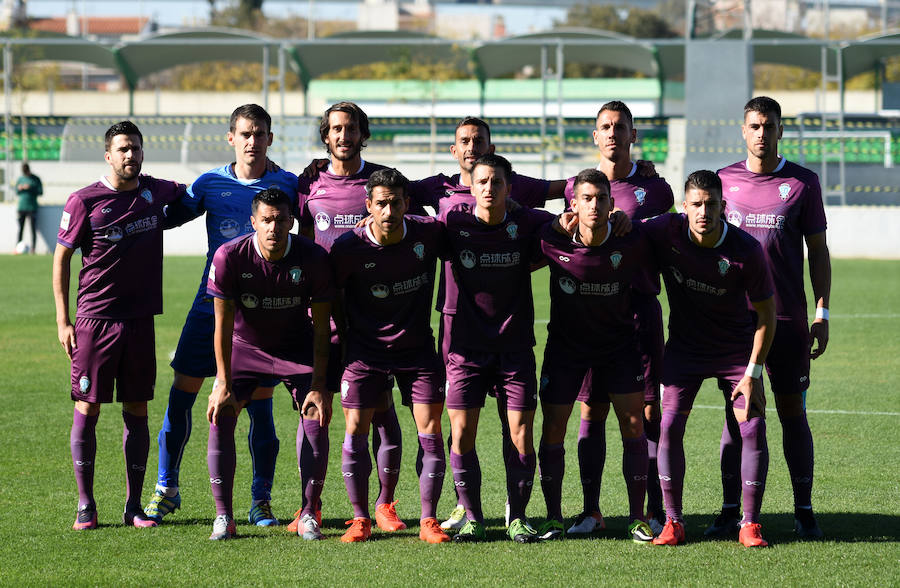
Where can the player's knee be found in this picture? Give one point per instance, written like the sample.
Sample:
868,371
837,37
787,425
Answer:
188,384
87,408
135,408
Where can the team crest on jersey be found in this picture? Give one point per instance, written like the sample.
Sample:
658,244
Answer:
64,221
512,229
784,190
419,250
323,221
249,300
676,274
345,388
295,275
146,195
467,258
379,291
229,228
567,285
113,234
639,195
616,259
84,384
735,218
724,264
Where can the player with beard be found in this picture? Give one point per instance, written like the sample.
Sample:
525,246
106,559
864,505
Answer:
266,286
117,223
640,197
780,203
711,269
224,195
331,204
385,271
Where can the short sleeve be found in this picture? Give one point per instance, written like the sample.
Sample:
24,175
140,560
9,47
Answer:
74,226
321,287
812,217
528,191
757,278
220,283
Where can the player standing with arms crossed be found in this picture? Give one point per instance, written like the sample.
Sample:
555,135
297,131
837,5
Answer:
117,223
266,284
711,269
224,194
780,204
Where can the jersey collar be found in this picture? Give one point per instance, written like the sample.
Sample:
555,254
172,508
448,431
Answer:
258,252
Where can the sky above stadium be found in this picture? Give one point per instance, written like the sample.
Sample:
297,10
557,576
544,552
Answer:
519,19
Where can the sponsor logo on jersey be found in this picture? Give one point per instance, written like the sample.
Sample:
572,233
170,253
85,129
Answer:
467,258
212,272
249,300
676,274
146,195
419,250
64,221
229,228
784,190
84,384
735,218
345,388
616,259
106,210
512,229
295,274
639,195
724,264
323,221
379,291
567,285
246,275
113,234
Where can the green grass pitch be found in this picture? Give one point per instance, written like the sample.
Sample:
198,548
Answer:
853,413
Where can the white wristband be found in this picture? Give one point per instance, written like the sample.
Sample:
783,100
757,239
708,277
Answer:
754,370
822,313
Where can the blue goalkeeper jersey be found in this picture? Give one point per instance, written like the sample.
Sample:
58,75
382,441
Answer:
226,201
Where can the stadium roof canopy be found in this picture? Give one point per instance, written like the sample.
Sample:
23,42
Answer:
317,57
47,46
663,59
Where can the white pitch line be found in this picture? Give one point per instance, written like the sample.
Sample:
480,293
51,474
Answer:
819,411
889,315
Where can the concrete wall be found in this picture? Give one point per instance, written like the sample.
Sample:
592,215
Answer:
853,231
